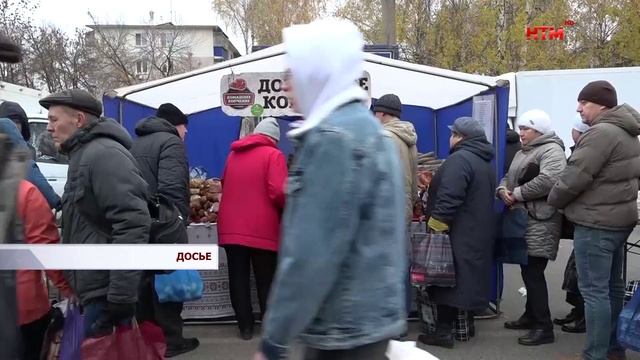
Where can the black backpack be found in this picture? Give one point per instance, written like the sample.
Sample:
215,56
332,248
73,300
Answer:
167,224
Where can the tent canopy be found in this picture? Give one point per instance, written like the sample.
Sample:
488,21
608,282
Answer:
415,84
432,99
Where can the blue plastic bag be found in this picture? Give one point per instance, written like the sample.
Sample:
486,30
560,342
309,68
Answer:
629,324
179,286
198,172
72,334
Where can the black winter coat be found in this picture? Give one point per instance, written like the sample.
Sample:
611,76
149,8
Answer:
461,195
104,202
163,162
512,147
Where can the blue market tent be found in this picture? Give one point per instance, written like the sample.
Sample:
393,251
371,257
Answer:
433,98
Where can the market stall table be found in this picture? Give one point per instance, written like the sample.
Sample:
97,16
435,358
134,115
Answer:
215,302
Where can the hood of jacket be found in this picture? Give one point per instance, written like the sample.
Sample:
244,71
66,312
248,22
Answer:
622,116
103,128
404,130
9,128
252,141
512,136
326,59
153,124
478,145
15,112
542,140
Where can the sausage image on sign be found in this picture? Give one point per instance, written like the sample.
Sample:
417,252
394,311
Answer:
238,96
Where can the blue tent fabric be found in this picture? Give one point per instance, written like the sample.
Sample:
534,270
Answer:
423,120
446,117
209,139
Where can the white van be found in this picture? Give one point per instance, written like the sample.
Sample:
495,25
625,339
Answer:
52,164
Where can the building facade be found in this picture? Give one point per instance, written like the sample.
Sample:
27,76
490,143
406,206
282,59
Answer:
149,52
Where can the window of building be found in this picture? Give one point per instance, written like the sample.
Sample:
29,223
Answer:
141,40
163,40
220,52
142,67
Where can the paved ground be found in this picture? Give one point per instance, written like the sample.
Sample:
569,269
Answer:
493,341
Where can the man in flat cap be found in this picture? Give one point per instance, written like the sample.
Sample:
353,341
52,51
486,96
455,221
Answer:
104,203
161,156
598,192
13,168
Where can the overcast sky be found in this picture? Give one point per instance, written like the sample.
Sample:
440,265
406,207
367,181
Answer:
72,14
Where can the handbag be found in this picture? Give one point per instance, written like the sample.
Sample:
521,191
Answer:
511,245
570,281
178,286
167,224
629,324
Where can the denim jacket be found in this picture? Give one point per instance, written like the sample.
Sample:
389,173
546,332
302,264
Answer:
342,261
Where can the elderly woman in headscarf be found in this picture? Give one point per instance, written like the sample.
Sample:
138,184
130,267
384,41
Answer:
532,174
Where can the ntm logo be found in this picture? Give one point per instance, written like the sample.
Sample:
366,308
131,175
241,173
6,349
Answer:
547,32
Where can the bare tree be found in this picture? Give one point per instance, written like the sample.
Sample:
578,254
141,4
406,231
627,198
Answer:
129,55
15,17
168,50
112,48
238,15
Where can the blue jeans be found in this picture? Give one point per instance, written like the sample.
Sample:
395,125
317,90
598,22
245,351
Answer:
599,258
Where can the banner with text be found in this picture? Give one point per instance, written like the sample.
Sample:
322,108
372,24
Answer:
261,94
108,256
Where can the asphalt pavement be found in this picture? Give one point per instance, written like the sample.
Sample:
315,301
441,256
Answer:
492,341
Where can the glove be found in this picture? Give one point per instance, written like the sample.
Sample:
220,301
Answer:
437,225
120,311
112,316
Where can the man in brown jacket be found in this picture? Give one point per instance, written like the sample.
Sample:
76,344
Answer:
388,110
598,192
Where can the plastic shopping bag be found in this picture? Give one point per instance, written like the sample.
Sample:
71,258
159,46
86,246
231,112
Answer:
419,248
135,342
439,266
629,324
72,334
179,286
407,350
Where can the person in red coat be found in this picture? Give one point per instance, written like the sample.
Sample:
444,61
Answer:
39,227
249,218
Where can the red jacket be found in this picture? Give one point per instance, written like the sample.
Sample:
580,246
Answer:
252,194
39,227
